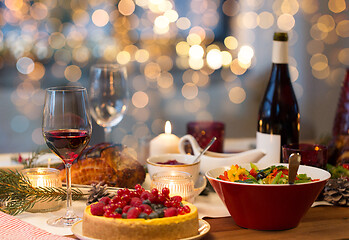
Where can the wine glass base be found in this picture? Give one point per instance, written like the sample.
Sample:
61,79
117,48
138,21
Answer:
63,221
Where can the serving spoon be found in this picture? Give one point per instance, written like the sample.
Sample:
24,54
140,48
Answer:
205,149
293,163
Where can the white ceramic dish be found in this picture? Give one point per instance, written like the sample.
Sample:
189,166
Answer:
204,228
192,168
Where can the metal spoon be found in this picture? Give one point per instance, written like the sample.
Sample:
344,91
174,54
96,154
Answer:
205,149
293,163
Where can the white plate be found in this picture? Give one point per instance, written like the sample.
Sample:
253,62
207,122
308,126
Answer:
204,228
7,164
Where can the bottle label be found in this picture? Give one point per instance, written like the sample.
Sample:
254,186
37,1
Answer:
271,145
280,52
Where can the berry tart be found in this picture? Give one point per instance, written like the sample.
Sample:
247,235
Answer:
140,214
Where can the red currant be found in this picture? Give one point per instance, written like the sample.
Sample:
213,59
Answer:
115,199
126,198
186,209
168,204
177,198
165,191
155,192
120,192
181,211
126,191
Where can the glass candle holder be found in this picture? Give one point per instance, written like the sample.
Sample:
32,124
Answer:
203,132
179,183
44,177
311,154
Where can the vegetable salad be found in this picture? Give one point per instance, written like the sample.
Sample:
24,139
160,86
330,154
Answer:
270,175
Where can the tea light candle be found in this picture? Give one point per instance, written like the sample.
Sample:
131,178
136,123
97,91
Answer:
164,143
179,183
44,177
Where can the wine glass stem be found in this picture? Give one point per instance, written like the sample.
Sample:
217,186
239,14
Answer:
69,212
107,134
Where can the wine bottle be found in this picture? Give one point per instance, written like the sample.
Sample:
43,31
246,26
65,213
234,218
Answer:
278,117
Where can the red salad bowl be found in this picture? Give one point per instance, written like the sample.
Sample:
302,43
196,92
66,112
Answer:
268,206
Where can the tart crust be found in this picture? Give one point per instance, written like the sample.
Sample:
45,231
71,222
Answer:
181,226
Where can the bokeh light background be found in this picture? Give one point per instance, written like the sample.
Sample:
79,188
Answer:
186,60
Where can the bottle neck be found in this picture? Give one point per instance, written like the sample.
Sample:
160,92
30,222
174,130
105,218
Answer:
280,52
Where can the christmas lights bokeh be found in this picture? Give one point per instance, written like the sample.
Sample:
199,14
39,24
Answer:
175,51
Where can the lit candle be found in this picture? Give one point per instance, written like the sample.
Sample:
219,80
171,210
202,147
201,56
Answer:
179,183
164,143
44,177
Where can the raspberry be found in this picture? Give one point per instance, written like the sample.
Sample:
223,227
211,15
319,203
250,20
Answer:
153,198
146,208
97,209
135,202
105,200
171,212
133,213
145,195
126,208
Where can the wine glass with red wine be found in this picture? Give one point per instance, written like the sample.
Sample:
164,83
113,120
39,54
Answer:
67,130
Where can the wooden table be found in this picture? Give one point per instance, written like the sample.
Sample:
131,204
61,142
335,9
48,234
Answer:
325,222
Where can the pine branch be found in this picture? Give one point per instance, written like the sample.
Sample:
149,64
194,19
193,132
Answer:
18,195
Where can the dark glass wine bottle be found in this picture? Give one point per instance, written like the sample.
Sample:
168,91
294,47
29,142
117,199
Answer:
278,117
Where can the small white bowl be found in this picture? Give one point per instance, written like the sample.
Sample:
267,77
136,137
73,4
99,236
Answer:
154,166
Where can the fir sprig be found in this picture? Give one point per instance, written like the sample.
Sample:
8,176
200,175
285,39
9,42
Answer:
18,195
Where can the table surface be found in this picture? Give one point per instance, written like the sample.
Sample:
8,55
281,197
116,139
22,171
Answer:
322,222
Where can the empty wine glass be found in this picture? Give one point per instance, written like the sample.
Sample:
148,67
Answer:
67,130
109,95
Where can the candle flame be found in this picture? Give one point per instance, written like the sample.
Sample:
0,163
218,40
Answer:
168,128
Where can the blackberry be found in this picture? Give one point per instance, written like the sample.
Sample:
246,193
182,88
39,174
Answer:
153,215
118,210
160,212
143,215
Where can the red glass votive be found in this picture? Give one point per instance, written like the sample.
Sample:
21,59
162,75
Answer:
311,154
203,132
